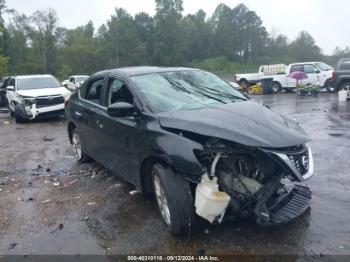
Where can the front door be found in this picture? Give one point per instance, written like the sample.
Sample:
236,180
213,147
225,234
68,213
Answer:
312,74
119,132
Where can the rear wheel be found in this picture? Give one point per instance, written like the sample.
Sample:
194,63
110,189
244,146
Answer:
329,86
276,87
174,198
78,147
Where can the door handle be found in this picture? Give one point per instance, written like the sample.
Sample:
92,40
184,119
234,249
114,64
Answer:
78,114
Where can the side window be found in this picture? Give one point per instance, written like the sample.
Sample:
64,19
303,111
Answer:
309,69
345,65
94,91
118,92
297,68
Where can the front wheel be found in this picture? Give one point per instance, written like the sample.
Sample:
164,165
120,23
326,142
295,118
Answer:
19,119
78,147
174,198
344,86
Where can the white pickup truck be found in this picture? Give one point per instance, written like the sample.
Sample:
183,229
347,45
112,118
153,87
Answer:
317,72
74,81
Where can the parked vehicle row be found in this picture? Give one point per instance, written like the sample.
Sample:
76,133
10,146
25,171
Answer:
194,142
318,73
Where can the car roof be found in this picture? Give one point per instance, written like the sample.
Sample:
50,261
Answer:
143,70
301,63
31,76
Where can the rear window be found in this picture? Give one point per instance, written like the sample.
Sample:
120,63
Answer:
345,65
37,83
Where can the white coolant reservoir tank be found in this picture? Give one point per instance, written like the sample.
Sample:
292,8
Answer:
210,202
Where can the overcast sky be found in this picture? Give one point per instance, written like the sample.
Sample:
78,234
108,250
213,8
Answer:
326,20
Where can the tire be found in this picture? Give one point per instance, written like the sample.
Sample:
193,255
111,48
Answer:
276,87
328,85
174,199
80,153
344,86
244,84
19,119
10,111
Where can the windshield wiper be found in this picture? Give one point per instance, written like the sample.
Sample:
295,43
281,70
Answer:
217,92
178,85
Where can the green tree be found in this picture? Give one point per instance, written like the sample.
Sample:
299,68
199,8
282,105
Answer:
197,36
304,48
169,35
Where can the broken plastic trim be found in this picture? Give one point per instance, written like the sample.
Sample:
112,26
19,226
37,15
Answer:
289,163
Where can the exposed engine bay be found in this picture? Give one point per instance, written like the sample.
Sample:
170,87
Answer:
259,182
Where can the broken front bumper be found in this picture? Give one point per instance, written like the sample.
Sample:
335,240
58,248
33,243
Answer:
30,111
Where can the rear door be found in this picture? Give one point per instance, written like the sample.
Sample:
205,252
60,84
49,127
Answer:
87,115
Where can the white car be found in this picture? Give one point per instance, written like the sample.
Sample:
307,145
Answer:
35,96
74,82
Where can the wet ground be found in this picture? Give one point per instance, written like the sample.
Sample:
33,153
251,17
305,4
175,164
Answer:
50,205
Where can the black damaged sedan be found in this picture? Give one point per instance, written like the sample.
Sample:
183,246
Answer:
193,141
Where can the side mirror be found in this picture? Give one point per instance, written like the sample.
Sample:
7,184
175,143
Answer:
10,88
121,109
317,71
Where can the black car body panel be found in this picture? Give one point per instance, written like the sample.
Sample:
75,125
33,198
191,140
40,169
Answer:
210,140
341,73
246,123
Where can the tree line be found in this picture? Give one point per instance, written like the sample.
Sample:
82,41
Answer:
231,40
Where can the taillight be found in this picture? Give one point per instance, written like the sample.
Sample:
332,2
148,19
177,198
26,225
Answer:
334,76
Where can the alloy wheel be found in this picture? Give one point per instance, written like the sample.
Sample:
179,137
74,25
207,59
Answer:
77,145
161,199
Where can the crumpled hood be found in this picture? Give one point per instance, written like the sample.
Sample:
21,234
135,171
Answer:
245,122
44,92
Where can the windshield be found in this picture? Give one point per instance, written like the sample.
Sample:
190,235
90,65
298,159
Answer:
323,66
180,90
37,83
81,78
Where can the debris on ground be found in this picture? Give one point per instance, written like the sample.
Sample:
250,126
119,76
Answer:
60,227
6,123
70,183
12,246
133,192
29,199
48,170
56,183
91,203
48,139
46,201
